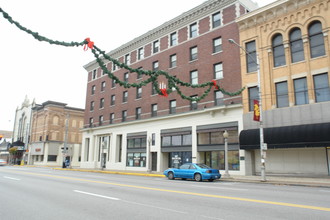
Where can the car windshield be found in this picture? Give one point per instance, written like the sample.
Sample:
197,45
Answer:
203,166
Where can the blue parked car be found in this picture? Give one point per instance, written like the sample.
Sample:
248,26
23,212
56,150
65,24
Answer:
196,171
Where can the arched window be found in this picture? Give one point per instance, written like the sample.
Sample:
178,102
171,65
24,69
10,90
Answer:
296,46
316,40
278,50
55,120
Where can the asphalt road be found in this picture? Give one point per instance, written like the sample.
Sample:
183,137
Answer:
44,193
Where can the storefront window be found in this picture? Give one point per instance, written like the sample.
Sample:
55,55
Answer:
176,159
186,139
176,140
216,160
166,141
136,159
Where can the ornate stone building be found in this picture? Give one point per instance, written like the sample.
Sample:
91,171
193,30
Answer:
55,134
291,39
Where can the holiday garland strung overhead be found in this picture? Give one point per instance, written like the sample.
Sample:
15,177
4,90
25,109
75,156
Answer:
173,82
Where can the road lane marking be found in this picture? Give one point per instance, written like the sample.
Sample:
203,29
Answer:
97,195
11,178
327,209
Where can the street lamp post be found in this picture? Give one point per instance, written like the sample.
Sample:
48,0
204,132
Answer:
261,129
225,136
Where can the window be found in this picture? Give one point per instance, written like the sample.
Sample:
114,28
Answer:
138,92
139,74
155,66
102,103
194,77
321,87
94,74
124,115
316,39
253,95
113,85
300,91
127,59
153,139
153,90
296,46
125,77
172,106
173,61
154,109
155,46
282,97
125,96
173,39
114,67
193,103
92,106
102,86
141,53
93,89
193,30
217,45
112,118
113,100
177,140
218,71
137,142
100,119
251,56
278,50
138,113
136,159
193,53
91,122
216,21
218,98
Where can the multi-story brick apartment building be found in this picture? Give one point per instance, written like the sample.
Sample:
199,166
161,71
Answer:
137,129
291,39
55,134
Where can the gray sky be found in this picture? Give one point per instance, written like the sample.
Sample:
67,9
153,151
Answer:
48,72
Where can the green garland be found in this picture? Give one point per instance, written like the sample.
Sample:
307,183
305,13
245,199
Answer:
173,82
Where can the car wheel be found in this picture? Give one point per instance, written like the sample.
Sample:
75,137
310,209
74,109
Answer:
171,176
198,177
211,180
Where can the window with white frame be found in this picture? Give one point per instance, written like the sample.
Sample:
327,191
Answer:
193,30
173,60
173,39
102,103
217,45
155,46
125,96
127,59
218,71
140,53
216,20
193,53
194,77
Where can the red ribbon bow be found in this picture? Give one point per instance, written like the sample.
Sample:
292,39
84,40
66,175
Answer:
89,44
215,84
164,92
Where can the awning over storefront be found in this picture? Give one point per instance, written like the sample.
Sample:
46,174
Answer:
309,135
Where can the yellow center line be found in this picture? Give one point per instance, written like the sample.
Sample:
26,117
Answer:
186,193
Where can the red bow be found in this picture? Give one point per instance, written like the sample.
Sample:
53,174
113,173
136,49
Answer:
215,84
164,92
89,44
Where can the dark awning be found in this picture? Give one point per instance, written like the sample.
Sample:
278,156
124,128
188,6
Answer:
309,135
17,144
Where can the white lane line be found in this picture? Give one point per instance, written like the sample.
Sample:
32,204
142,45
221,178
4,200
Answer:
97,195
11,178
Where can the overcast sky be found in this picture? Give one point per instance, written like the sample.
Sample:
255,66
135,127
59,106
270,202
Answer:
48,72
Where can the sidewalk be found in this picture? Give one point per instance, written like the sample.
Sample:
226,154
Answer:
315,181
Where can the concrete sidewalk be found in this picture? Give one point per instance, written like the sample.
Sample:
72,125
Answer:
315,181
